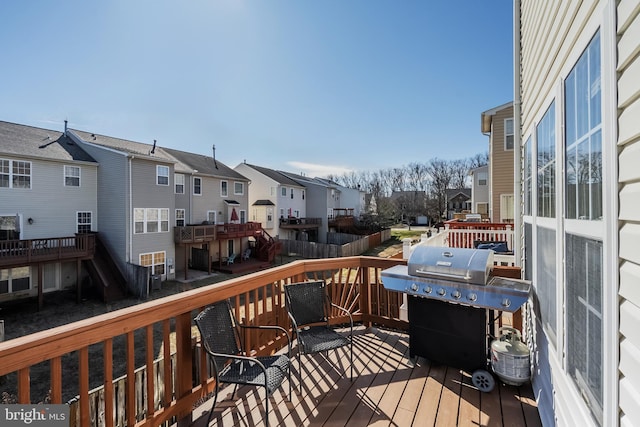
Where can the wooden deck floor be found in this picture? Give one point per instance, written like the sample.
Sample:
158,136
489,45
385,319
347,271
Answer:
387,390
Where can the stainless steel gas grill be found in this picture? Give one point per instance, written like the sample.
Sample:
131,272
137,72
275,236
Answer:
452,301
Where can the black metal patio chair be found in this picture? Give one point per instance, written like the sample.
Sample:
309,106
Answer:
309,305
221,339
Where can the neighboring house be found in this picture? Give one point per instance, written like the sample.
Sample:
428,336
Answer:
136,203
277,201
577,126
351,199
458,201
497,123
409,204
208,191
480,190
48,201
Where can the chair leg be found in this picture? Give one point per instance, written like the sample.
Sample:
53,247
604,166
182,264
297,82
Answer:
235,388
215,399
266,406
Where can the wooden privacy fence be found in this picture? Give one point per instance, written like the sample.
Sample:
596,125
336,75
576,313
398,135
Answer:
349,245
87,355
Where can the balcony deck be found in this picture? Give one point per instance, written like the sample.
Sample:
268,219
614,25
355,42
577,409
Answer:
387,389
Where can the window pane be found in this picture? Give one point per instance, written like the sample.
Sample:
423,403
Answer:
545,286
584,318
545,133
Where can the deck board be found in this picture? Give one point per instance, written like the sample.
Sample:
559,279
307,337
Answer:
387,390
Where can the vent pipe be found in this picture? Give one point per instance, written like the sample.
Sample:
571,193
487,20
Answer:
214,156
153,149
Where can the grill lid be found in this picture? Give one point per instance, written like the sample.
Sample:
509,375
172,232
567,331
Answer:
472,266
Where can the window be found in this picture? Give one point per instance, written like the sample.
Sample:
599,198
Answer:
284,191
546,137
506,208
83,222
224,188
482,208
9,227
14,280
583,136
72,176
482,178
178,178
528,177
15,174
155,260
150,220
302,194
180,218
292,193
238,188
197,186
162,175
211,217
584,317
243,217
545,285
508,134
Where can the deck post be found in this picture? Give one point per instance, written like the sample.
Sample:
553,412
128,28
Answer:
183,364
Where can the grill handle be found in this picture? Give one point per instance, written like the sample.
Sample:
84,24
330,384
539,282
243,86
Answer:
450,276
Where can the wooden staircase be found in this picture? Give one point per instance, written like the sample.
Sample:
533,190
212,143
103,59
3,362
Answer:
107,278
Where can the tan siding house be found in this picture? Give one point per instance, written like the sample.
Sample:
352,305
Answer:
497,123
577,124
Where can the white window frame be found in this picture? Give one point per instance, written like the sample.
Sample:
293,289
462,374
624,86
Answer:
70,175
238,188
178,179
482,176
148,216
283,191
210,215
197,185
11,170
180,216
8,274
162,173
157,259
81,217
507,135
224,188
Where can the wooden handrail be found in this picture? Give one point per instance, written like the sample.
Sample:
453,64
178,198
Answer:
353,282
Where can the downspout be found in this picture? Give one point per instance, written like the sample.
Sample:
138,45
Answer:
130,213
517,128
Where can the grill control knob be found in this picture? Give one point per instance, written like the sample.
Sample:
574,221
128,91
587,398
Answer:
472,297
414,287
428,289
441,292
506,302
456,294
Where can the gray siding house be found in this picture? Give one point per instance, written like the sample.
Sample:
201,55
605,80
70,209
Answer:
48,196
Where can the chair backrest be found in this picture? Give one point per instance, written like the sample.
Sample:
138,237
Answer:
306,301
218,329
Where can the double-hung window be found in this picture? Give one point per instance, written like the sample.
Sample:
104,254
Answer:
83,220
162,175
178,178
238,188
151,220
72,176
180,218
224,188
197,186
15,174
155,260
508,134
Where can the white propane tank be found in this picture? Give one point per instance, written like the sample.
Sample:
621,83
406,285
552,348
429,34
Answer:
510,357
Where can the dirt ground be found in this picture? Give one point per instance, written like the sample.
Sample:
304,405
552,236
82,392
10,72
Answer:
23,318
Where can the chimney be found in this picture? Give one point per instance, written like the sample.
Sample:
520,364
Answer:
65,127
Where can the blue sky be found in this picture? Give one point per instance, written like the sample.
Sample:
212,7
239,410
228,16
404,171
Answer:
310,87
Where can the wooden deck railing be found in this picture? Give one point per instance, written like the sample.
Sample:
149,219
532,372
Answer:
25,252
99,349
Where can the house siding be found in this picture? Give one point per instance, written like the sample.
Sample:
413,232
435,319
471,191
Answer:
113,201
501,164
628,89
553,36
147,194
